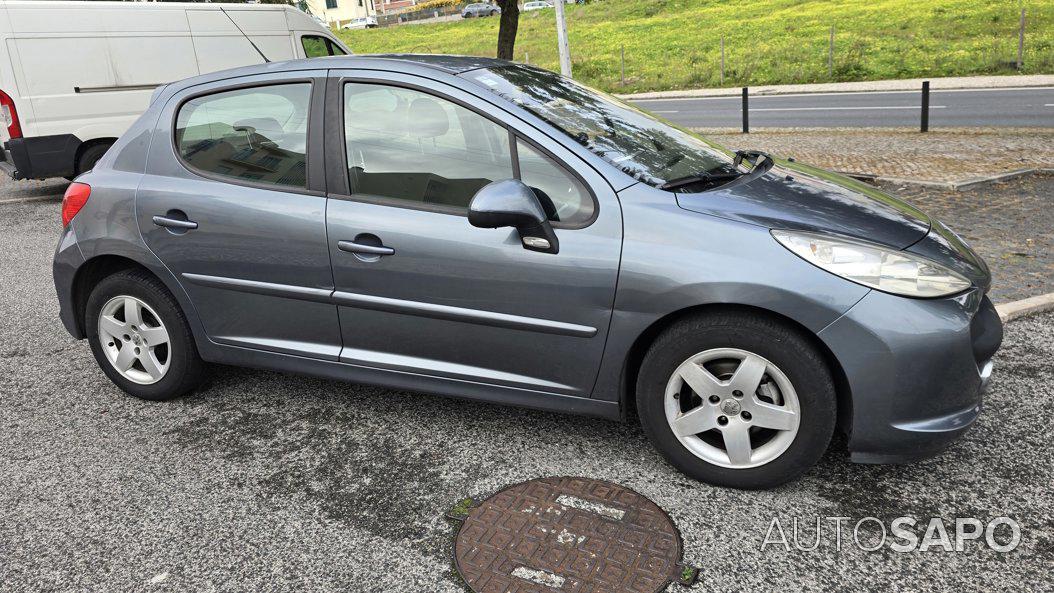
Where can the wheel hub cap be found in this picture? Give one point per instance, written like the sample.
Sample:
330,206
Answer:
732,408
134,340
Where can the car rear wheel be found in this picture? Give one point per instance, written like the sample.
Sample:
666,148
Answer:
140,337
737,400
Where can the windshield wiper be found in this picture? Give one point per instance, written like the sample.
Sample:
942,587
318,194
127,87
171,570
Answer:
699,178
706,177
758,155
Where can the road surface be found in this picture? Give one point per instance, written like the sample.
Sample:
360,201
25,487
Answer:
1032,107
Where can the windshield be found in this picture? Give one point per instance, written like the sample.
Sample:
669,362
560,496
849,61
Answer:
641,145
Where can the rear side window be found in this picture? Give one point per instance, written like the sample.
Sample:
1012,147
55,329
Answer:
256,134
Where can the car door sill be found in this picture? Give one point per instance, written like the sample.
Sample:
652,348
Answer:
409,381
448,370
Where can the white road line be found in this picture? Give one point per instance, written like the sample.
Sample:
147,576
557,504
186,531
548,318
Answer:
916,107
1045,105
835,94
665,111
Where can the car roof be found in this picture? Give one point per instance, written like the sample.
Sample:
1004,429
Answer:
451,64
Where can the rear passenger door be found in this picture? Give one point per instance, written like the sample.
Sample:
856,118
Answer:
419,289
233,203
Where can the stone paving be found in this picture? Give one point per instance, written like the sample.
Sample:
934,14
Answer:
1010,224
945,155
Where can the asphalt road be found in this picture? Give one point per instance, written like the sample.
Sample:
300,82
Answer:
950,108
270,482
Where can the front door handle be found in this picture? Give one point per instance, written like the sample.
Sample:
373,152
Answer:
353,247
174,223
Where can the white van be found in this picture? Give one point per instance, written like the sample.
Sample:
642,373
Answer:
75,75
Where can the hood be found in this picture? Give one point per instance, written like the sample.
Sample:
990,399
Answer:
795,196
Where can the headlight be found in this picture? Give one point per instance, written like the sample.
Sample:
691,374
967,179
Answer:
874,266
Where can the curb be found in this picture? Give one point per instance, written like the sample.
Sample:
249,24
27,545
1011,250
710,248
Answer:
1024,307
953,185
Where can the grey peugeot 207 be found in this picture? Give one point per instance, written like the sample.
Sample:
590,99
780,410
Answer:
487,230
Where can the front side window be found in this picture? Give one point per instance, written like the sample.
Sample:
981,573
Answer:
256,134
417,149
640,144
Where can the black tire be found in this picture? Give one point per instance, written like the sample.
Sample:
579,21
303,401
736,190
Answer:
782,345
186,369
493,12
90,156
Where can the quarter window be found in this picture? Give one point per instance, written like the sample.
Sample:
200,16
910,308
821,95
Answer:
561,194
255,134
415,148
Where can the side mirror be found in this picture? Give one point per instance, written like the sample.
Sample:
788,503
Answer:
511,203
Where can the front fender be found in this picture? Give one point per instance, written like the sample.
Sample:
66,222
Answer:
674,260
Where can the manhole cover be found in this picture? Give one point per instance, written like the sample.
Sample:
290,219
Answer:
568,534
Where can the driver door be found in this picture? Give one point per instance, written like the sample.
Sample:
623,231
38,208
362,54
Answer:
418,288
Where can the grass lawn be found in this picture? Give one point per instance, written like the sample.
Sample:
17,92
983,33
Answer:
673,44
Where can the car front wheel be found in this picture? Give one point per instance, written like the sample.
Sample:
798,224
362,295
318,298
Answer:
738,400
140,337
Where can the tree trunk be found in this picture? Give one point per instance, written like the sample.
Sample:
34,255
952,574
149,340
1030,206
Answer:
510,21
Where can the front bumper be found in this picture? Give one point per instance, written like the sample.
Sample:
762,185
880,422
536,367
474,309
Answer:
915,369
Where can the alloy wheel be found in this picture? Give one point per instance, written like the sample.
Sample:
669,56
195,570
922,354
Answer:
732,408
134,340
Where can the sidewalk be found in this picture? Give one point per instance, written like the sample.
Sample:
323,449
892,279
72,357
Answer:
911,84
947,156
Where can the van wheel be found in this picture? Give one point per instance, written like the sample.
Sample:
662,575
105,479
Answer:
140,337
737,400
90,156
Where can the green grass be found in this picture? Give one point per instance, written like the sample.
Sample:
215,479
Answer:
673,44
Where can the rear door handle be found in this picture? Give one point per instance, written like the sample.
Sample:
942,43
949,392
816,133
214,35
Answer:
175,223
353,247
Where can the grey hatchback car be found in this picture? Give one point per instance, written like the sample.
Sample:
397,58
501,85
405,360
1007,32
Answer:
487,230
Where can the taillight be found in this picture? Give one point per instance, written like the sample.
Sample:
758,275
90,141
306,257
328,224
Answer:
9,116
76,197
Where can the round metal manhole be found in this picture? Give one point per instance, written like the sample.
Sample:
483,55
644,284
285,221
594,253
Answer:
568,534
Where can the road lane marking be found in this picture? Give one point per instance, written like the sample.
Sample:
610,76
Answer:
842,108
833,94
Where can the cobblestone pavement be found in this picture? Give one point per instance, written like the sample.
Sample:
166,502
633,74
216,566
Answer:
945,155
1010,224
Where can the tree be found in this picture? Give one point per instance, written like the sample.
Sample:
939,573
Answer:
510,21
